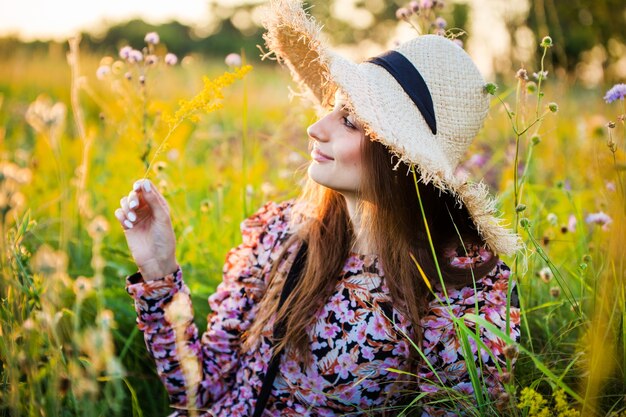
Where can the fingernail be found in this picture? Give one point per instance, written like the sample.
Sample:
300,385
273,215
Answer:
136,185
133,204
132,216
128,224
146,186
119,215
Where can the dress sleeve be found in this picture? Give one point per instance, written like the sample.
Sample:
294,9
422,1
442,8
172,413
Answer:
199,370
442,344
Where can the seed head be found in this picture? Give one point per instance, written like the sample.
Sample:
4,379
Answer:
152,38
610,125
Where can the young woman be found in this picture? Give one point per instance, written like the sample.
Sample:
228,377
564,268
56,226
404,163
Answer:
345,300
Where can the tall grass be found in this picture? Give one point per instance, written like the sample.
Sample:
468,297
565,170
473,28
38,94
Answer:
68,342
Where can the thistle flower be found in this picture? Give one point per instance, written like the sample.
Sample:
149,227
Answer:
233,60
403,13
617,92
171,59
152,38
441,23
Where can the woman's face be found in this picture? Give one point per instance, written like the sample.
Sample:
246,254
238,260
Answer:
336,153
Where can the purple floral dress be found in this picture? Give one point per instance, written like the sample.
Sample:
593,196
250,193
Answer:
357,341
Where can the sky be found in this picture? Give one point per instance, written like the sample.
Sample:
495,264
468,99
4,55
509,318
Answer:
58,19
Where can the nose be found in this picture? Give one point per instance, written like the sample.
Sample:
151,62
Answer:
317,130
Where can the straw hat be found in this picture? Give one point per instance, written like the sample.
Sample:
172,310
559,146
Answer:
424,100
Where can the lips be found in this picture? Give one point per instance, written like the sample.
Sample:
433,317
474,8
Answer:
320,156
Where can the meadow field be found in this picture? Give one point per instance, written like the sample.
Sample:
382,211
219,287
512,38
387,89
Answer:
74,139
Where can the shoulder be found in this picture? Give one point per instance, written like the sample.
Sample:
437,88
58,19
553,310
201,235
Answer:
268,214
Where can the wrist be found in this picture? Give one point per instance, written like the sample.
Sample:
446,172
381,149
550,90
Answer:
154,270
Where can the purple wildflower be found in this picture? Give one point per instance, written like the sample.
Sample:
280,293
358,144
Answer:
414,6
403,13
152,59
171,59
103,71
599,218
152,38
441,23
617,92
135,56
426,4
125,52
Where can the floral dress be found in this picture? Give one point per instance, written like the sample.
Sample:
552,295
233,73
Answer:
358,339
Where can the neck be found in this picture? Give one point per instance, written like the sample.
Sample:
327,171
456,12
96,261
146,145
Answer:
361,244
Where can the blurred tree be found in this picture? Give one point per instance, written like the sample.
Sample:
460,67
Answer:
578,25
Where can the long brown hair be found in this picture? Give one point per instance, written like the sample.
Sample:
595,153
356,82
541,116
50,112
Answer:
390,212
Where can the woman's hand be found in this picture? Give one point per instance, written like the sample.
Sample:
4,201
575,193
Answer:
145,218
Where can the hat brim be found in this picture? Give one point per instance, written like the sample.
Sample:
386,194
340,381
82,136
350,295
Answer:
297,41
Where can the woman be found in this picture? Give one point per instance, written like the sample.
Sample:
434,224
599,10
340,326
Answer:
323,306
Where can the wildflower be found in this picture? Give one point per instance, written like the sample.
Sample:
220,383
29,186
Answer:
478,160
125,52
553,107
439,3
522,74
128,75
617,92
103,71
441,23
426,4
545,274
233,60
152,59
135,56
414,6
142,79
171,59
552,219
555,292
587,258
49,261
610,125
117,67
599,218
534,401
546,42
82,286
206,206
541,75
403,13
160,166
152,38
491,88
173,154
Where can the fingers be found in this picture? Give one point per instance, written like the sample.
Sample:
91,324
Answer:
124,221
146,191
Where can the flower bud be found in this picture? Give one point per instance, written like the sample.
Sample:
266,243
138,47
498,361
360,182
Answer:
522,74
553,107
546,42
510,351
233,60
491,88
535,139
520,207
170,59
524,222
555,292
